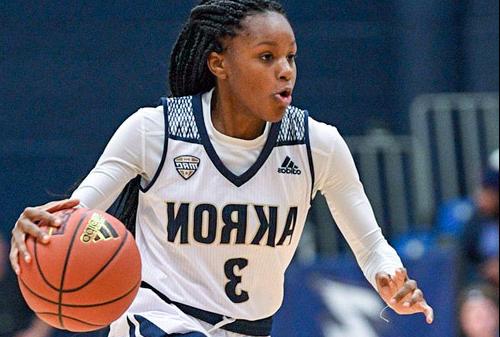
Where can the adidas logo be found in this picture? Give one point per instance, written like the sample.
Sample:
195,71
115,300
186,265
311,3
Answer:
289,167
98,229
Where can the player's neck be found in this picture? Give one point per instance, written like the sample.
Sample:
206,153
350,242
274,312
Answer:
232,119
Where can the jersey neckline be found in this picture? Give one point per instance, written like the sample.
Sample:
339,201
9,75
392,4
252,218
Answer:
237,180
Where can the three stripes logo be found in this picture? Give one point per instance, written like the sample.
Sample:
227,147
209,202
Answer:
187,166
98,229
289,167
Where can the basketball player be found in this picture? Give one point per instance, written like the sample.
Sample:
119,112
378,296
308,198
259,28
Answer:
227,169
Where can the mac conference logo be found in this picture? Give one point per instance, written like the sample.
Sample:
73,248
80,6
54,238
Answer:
98,229
187,166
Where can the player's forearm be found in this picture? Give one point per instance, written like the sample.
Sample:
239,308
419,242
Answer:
103,185
122,160
354,215
356,221
380,257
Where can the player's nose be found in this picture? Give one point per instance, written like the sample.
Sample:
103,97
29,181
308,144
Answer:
285,70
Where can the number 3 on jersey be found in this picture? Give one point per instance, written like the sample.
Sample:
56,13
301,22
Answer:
235,280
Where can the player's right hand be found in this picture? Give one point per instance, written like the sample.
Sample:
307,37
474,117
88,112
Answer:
28,224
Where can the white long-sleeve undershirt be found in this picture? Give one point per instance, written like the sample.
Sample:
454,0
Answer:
137,147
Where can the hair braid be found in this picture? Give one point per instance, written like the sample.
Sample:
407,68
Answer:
209,22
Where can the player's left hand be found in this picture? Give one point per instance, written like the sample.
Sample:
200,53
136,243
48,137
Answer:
403,295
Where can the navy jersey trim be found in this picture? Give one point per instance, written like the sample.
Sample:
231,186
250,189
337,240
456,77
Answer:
164,101
214,157
309,152
131,328
183,139
182,125
290,143
261,327
292,131
149,329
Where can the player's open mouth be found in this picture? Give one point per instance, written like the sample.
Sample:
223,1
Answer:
284,97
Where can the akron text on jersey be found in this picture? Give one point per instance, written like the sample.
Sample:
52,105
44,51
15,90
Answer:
201,224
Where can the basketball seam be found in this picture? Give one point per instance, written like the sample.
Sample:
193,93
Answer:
101,270
71,318
90,280
40,271
61,291
66,261
82,305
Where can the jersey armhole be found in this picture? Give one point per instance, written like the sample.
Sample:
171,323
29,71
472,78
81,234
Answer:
145,189
309,152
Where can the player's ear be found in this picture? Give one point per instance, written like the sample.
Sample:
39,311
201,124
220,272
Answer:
216,65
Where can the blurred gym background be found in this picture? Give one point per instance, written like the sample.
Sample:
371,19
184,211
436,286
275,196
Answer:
412,85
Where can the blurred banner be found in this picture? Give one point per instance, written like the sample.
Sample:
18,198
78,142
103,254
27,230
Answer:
331,298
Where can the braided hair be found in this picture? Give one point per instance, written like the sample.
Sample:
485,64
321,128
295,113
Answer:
209,23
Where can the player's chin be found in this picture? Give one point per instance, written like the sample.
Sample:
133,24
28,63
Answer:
275,116
275,113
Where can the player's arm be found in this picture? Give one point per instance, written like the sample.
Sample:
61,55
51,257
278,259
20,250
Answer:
338,180
122,160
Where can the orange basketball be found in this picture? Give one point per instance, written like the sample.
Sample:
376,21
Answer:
88,274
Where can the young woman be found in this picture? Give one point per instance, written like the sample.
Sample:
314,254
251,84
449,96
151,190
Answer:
227,169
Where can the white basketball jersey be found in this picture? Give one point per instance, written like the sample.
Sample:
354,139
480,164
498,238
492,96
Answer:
216,241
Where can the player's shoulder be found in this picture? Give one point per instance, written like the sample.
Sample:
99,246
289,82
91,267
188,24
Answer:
322,128
297,125
297,114
148,112
147,119
151,119
323,137
172,104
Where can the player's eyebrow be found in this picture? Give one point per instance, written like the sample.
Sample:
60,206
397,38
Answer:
273,43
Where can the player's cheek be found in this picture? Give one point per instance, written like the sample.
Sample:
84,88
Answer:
257,90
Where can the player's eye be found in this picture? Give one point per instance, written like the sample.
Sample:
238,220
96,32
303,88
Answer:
292,57
266,57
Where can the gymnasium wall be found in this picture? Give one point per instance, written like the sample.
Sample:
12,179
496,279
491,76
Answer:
71,72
